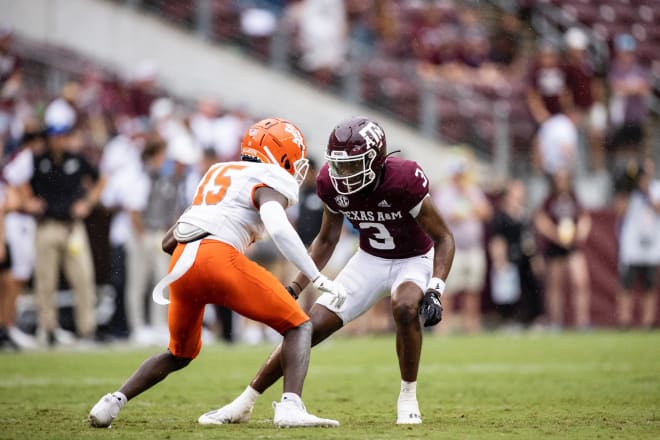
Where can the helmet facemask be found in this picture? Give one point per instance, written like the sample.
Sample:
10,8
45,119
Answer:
300,168
350,174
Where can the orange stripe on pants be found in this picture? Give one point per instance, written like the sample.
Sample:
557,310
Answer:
222,275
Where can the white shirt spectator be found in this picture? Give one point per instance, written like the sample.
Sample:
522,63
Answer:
558,140
323,34
639,242
228,131
119,153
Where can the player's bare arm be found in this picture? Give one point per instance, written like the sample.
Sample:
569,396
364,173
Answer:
434,225
323,245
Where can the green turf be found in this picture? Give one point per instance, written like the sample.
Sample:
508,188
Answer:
597,385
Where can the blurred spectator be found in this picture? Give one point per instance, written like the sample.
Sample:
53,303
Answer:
630,90
228,130
639,247
505,40
435,37
515,288
124,196
65,187
547,91
10,69
321,33
587,95
19,227
163,116
203,120
166,201
7,297
557,145
144,89
465,208
564,227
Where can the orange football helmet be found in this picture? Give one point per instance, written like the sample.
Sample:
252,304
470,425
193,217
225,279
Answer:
277,141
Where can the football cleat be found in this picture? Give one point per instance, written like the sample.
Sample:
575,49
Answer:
234,412
292,414
106,410
408,413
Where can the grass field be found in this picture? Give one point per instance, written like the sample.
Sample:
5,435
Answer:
597,385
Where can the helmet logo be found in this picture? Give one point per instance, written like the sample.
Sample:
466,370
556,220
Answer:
342,201
297,136
372,135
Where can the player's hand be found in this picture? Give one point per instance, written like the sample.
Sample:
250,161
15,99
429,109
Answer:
324,284
431,308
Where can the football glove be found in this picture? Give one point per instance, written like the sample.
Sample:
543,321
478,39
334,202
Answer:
324,284
431,308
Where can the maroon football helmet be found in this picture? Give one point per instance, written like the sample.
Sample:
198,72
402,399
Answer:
355,154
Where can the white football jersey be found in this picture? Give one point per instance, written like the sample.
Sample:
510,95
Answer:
223,204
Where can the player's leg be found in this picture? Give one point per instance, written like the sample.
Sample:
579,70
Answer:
326,317
363,288
272,305
185,327
412,277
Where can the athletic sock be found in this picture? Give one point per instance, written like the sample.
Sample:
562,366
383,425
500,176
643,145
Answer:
408,391
291,397
249,395
121,397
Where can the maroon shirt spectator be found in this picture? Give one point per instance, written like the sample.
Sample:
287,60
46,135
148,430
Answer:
579,79
630,88
547,87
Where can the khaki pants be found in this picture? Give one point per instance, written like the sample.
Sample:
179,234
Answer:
64,245
146,264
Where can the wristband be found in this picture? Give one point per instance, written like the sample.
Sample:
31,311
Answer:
437,284
298,286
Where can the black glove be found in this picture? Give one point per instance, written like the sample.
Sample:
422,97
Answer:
292,292
431,309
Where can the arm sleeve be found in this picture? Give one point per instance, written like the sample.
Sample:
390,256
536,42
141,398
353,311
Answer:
286,239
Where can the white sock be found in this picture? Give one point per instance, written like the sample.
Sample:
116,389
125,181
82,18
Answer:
121,397
249,395
291,396
408,391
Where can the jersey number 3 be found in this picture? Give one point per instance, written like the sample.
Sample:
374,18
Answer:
214,185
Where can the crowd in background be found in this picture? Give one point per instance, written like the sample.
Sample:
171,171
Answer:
94,176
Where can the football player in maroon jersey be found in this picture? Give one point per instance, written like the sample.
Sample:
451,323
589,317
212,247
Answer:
406,252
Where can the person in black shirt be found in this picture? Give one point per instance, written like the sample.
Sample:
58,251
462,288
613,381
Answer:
515,288
65,188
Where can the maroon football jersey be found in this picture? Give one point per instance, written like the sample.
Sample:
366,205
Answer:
382,217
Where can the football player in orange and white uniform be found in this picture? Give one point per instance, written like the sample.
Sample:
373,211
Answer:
234,204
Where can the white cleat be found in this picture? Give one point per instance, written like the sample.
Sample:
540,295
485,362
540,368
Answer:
234,412
291,414
408,413
105,411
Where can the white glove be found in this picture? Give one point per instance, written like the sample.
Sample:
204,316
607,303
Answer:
324,284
